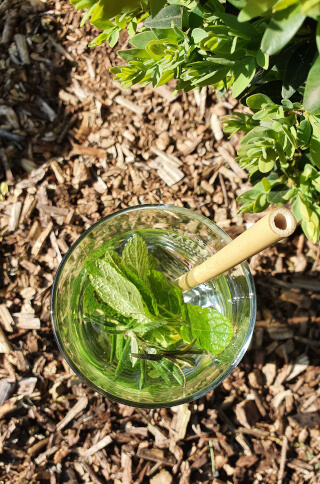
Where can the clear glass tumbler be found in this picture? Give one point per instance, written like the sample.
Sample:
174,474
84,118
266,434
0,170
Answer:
179,239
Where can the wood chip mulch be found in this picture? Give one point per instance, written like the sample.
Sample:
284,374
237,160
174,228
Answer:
75,147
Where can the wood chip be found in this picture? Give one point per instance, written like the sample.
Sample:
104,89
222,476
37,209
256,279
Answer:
167,93
299,366
155,455
6,388
41,240
167,167
247,413
233,164
216,127
27,209
164,477
26,321
278,399
22,47
270,371
100,445
14,216
88,151
26,386
183,418
57,172
73,412
43,457
126,464
129,105
5,346
59,48
6,318
94,478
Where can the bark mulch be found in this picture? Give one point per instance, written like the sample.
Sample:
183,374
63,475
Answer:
75,147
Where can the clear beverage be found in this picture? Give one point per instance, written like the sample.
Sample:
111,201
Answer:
179,239
173,257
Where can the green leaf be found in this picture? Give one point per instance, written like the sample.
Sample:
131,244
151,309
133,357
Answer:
169,35
265,166
318,36
198,35
262,59
143,289
143,373
303,133
111,8
99,40
297,69
282,4
87,15
301,210
212,330
161,371
141,40
278,194
239,4
260,203
315,148
156,49
243,73
156,6
120,294
256,101
281,29
114,37
254,8
169,297
135,256
165,17
311,98
83,3
133,54
244,30
124,358
165,78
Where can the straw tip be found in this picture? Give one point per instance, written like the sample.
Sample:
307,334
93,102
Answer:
282,222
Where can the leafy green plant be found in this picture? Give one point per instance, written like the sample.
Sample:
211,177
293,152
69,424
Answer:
145,318
267,51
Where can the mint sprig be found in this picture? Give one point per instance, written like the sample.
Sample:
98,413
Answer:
150,327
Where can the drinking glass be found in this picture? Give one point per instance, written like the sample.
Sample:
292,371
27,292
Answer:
179,239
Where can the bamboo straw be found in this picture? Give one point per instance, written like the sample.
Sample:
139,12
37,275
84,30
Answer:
277,224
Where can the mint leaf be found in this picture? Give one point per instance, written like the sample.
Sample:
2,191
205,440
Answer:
136,257
119,293
124,357
212,330
142,287
94,305
113,260
169,297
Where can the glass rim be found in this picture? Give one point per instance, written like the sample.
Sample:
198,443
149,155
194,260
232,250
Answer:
253,306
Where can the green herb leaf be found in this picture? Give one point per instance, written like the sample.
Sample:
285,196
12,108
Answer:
254,8
243,73
169,297
165,17
212,330
120,294
156,6
124,359
136,257
311,98
282,27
